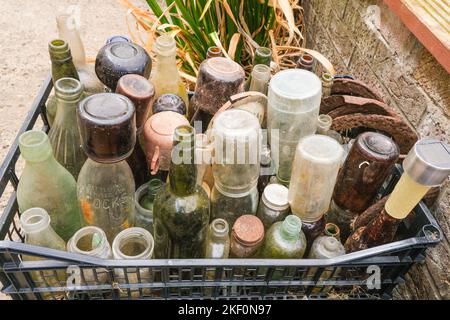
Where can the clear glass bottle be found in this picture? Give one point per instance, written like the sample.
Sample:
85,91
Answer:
274,205
68,32
315,169
144,198
324,123
284,240
62,67
181,208
35,223
218,240
46,184
247,237
105,185
91,241
293,107
166,78
260,78
327,83
64,135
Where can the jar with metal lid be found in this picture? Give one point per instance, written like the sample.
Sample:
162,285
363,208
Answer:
273,206
246,237
315,168
237,140
293,107
105,186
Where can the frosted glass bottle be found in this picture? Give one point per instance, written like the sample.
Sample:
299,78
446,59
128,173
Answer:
46,184
166,78
64,135
315,168
293,107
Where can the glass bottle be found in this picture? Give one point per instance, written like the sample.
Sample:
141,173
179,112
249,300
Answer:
260,78
106,186
91,241
181,208
141,92
427,165
327,83
312,230
285,240
367,166
166,78
247,237
332,230
62,67
169,102
293,107
214,52
218,240
64,135
274,205
144,198
118,38
203,159
267,168
315,168
306,62
69,32
35,223
324,123
263,55
46,184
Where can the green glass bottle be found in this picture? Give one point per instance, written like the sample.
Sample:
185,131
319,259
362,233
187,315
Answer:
144,199
47,184
62,67
181,208
285,240
64,135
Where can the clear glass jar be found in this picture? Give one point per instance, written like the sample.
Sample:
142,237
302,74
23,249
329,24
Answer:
237,142
91,241
247,237
230,206
260,78
218,240
274,205
64,134
315,168
144,198
46,184
293,107
35,223
285,240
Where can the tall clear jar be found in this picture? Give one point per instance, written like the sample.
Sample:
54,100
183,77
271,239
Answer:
144,198
293,107
273,206
218,240
105,185
315,168
64,135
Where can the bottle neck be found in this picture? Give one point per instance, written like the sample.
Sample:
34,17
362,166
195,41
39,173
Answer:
35,147
68,94
290,228
381,229
218,230
153,188
62,64
68,31
167,64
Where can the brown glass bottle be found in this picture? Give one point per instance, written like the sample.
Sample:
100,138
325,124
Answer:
306,62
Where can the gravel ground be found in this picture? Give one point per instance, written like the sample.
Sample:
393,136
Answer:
26,27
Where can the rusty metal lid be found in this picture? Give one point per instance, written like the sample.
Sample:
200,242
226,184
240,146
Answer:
248,230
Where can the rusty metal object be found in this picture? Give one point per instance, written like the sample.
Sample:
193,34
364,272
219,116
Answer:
344,86
336,106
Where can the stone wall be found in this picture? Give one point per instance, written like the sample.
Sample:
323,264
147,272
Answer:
364,38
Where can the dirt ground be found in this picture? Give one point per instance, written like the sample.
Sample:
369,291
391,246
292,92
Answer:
26,27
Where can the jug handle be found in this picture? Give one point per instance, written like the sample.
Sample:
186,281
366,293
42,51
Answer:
154,165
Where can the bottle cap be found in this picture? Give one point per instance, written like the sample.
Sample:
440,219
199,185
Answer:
275,196
428,162
248,230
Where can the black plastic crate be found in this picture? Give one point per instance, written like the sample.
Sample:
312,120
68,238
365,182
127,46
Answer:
343,277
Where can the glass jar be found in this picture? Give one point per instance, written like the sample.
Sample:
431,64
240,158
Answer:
237,140
260,78
284,240
91,241
246,237
46,184
293,107
218,240
169,102
144,198
230,206
315,168
274,205
64,135
106,186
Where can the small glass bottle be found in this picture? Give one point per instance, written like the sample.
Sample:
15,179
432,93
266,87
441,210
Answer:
141,92
144,198
246,237
285,240
181,208
332,230
327,83
324,123
267,168
169,102
64,135
274,205
306,62
166,78
91,241
263,55
35,223
46,184
218,240
106,186
62,67
260,78
214,52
